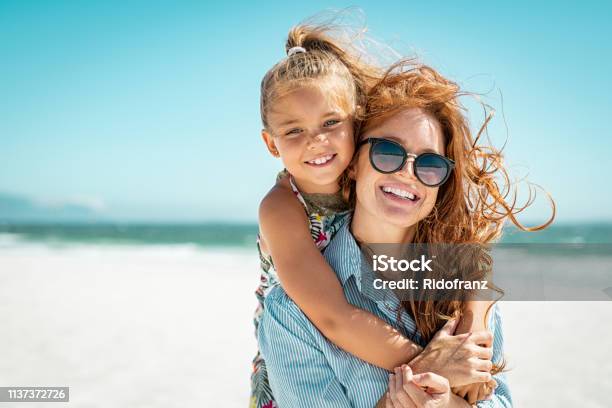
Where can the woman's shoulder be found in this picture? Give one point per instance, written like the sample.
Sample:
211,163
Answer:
281,308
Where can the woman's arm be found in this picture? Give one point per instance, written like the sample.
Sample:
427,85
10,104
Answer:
473,319
312,284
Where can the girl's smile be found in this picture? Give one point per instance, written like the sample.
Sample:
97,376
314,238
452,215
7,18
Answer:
322,160
313,134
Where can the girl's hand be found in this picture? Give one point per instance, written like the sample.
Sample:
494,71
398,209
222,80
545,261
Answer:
408,390
476,392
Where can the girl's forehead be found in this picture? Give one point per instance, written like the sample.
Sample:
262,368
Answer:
300,97
305,101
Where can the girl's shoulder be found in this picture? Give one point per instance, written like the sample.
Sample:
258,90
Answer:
285,204
284,195
280,198
283,174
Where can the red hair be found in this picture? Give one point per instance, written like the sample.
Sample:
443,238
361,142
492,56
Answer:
474,204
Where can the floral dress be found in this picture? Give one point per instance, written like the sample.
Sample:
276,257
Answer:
325,213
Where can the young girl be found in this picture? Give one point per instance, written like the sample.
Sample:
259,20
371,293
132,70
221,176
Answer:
311,106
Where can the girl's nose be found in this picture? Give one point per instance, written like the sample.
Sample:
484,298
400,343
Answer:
317,139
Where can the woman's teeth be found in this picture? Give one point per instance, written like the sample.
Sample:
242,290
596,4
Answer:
400,193
321,160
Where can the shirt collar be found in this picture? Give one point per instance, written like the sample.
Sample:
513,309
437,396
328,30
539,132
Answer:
343,254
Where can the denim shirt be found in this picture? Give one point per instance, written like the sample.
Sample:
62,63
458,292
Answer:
307,370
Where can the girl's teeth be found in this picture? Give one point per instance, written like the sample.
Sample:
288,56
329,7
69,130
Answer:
321,160
399,193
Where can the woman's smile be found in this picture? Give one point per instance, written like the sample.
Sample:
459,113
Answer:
399,192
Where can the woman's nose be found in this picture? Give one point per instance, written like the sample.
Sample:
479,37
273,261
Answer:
408,169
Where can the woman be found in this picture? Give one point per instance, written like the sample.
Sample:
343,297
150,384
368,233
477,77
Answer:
417,177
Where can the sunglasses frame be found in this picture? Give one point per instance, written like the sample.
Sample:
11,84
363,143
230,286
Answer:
372,141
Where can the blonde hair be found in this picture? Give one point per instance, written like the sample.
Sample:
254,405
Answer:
327,62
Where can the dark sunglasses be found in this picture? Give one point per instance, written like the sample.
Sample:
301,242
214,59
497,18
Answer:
388,156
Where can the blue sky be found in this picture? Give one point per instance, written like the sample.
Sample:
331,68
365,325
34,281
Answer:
150,110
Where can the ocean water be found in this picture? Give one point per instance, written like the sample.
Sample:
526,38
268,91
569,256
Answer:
201,235
240,235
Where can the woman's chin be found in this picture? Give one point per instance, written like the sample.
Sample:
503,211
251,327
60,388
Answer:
400,219
395,217
397,213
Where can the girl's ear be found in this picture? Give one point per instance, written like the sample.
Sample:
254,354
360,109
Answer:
269,141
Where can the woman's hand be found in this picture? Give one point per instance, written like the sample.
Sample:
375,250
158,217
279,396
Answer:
408,390
462,359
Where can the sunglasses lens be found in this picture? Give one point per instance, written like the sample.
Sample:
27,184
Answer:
387,157
431,169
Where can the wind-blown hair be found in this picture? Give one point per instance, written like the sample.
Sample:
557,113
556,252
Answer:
330,62
477,200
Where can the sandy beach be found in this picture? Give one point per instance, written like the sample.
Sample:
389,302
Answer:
170,326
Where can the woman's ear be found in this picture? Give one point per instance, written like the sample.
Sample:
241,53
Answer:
269,141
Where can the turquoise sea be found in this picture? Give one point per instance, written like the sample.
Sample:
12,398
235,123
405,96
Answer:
239,235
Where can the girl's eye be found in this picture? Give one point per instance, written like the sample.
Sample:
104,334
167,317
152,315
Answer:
293,132
331,122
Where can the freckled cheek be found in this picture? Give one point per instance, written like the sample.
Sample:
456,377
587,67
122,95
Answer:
366,186
430,198
344,136
361,169
290,150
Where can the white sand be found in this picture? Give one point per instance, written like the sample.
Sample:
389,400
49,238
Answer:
171,327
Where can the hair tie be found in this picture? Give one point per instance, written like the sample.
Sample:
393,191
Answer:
295,50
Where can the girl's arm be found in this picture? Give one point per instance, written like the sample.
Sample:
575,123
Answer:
473,316
312,284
